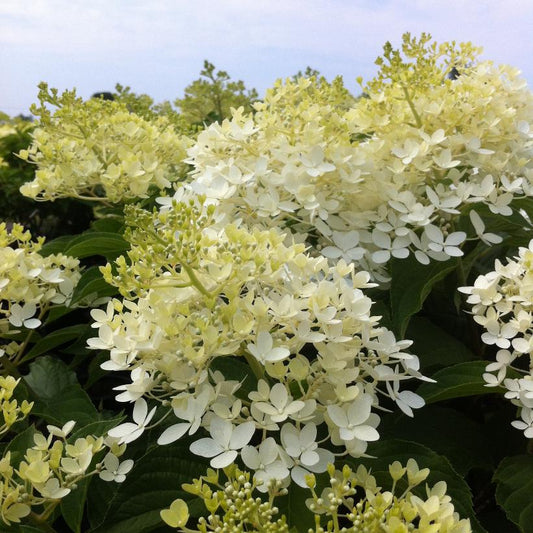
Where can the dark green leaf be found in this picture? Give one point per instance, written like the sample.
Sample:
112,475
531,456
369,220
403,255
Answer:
57,394
91,286
20,444
457,381
95,372
152,485
72,403
48,377
57,312
19,528
410,285
100,497
445,431
382,309
98,428
106,244
514,224
108,225
20,335
56,246
434,346
514,492
234,369
73,505
55,339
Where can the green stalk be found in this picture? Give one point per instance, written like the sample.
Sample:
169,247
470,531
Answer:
257,368
412,106
195,281
39,521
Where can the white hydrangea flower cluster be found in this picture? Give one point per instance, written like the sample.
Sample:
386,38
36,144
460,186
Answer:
52,468
11,410
197,292
97,150
387,174
502,302
29,282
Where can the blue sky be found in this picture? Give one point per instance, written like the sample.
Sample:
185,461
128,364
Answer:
158,46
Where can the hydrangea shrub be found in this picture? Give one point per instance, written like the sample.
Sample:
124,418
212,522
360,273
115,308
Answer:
278,300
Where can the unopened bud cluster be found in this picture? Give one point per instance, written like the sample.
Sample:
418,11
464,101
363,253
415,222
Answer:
233,507
352,503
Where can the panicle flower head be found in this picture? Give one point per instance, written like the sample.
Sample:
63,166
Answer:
502,304
12,411
367,507
384,175
30,283
51,469
198,291
98,150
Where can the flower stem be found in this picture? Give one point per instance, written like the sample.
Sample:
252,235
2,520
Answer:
39,521
257,368
412,106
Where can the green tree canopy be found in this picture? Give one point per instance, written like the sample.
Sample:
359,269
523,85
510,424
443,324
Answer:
210,98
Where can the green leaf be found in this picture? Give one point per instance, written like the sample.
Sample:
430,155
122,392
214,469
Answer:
48,377
410,285
382,309
234,369
388,451
57,394
91,286
457,381
100,497
445,431
20,335
106,244
55,339
57,312
72,404
514,224
19,528
57,246
73,505
514,491
154,482
20,444
137,523
434,346
98,428
108,224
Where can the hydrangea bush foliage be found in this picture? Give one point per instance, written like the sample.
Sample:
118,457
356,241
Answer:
309,300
